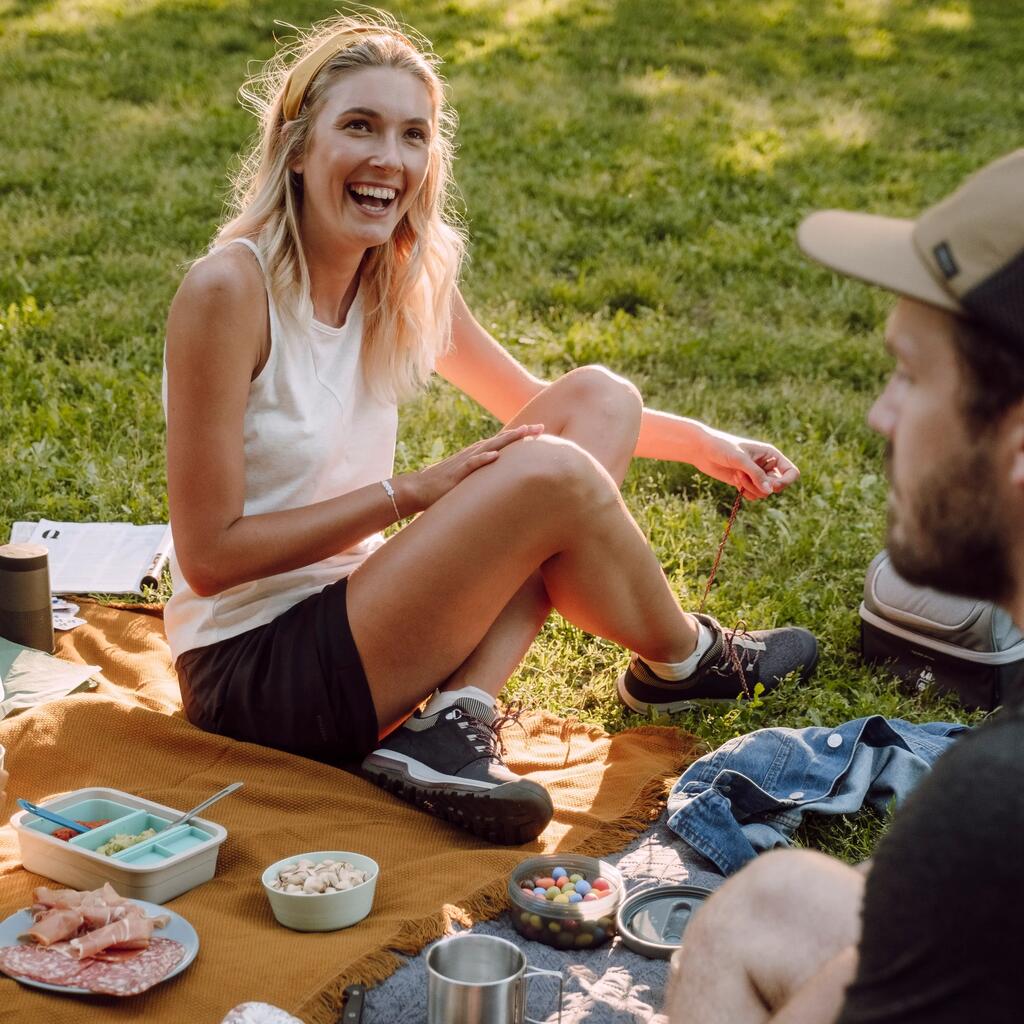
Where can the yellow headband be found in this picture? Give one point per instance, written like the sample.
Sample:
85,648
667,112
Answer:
306,69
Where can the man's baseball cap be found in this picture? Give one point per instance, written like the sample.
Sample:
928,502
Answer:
965,254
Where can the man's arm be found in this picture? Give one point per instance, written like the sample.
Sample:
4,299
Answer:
820,999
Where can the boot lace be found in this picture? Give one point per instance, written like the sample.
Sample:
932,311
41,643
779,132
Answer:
490,745
735,658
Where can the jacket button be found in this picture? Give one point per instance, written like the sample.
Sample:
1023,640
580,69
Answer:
797,795
835,740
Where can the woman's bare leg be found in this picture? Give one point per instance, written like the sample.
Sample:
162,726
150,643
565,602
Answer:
422,604
600,412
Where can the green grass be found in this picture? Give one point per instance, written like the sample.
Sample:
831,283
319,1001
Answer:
632,175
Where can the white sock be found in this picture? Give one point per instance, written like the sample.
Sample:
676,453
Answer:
443,699
676,670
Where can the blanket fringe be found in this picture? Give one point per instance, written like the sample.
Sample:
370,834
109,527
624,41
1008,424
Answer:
326,1006
486,903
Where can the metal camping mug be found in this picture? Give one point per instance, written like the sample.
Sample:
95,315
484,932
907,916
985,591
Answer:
480,979
26,612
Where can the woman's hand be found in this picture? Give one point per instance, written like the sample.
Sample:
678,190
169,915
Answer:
756,468
417,491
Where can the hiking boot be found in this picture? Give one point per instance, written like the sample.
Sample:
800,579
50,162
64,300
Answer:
450,764
731,667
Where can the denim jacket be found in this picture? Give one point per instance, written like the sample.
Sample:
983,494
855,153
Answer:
752,792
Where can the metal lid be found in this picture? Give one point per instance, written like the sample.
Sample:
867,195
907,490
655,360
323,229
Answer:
22,557
652,921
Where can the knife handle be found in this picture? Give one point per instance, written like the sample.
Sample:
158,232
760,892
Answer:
353,1012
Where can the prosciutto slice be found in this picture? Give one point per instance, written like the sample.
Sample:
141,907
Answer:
61,899
127,931
54,925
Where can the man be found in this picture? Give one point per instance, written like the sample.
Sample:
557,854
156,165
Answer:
929,929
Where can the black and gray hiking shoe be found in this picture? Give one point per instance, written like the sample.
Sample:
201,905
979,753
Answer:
450,764
731,667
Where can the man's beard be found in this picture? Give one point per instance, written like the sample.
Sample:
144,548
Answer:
948,535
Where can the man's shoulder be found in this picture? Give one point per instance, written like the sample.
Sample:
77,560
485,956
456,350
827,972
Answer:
971,805
996,745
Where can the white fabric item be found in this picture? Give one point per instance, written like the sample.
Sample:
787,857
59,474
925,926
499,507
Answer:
676,670
313,430
259,1013
443,699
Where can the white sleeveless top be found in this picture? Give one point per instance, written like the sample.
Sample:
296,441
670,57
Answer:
313,430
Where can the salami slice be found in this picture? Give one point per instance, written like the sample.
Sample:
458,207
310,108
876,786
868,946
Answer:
131,977
40,964
121,978
116,956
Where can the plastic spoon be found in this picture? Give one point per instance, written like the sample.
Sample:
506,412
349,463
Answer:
188,815
51,816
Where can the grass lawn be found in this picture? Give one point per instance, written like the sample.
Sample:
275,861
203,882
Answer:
632,174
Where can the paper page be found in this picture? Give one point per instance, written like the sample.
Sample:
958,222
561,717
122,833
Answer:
29,677
98,557
20,532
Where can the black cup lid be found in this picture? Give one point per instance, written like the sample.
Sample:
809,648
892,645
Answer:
652,921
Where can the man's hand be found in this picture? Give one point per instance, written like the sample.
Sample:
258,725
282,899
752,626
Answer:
757,469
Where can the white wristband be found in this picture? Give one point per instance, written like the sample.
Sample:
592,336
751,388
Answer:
390,491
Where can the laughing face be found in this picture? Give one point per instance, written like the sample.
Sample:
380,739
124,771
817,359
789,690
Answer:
366,157
948,526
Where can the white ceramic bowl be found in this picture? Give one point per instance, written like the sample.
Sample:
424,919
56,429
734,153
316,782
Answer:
322,911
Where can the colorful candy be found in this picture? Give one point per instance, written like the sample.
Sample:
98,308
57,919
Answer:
561,920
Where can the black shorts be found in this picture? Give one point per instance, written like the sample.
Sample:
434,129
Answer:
296,684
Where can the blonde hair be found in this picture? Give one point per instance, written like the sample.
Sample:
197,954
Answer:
407,284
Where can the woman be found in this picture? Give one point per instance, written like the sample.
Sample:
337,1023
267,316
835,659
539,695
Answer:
328,296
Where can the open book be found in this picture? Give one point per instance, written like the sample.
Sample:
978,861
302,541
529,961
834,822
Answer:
99,558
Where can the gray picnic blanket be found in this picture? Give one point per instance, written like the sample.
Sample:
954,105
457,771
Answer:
610,985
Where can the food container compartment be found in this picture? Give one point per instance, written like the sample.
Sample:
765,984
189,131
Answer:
85,810
131,824
144,855
180,840
565,926
157,869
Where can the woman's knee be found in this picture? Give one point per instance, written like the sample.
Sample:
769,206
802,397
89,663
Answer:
559,475
603,393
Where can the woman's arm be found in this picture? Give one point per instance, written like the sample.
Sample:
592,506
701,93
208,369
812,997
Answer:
480,367
754,467
217,340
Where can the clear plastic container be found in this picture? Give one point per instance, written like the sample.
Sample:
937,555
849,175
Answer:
584,925
157,869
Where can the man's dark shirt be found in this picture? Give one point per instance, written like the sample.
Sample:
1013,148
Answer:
943,917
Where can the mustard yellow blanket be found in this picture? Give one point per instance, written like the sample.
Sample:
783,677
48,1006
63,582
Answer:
130,735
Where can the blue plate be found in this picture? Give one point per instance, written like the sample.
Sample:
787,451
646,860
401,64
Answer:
177,929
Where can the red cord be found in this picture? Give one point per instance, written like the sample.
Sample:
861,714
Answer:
721,547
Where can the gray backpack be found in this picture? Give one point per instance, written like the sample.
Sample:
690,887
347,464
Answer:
934,640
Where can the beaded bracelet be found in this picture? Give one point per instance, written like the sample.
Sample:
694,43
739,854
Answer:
390,491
